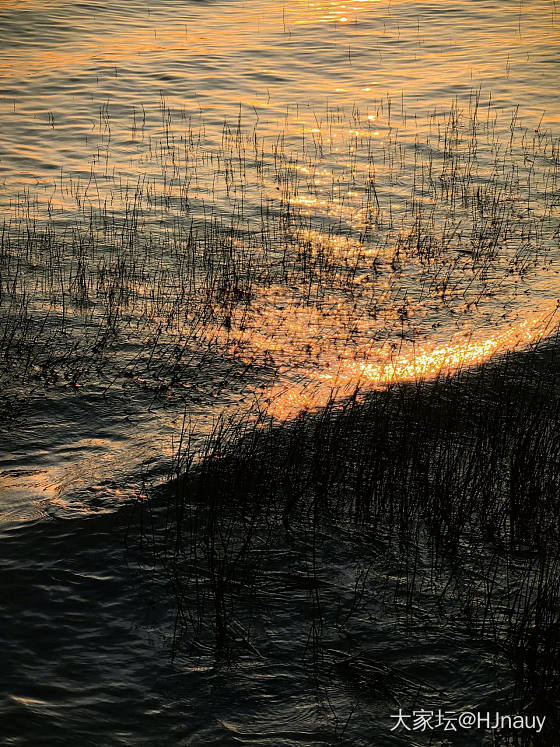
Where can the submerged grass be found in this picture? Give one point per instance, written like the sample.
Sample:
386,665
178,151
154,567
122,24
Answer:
423,505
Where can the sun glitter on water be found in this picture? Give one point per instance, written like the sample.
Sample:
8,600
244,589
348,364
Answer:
317,389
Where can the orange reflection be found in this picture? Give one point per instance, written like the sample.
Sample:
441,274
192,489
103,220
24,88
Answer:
332,11
131,42
18,4
285,401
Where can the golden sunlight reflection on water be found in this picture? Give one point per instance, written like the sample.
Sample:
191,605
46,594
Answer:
331,11
319,387
295,199
160,34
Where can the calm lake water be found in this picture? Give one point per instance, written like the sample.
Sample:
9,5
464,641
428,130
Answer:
216,206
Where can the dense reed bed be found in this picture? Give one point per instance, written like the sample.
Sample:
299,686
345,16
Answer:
425,507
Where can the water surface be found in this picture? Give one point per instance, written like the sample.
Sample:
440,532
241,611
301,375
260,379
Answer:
216,206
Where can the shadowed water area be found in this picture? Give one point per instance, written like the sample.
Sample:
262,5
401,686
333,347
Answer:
246,210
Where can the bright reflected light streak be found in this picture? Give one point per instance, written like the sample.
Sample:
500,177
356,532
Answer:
427,362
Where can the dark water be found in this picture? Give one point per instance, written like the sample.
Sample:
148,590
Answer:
87,657
96,99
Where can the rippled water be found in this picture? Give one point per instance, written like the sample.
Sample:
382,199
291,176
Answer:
150,120
282,200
